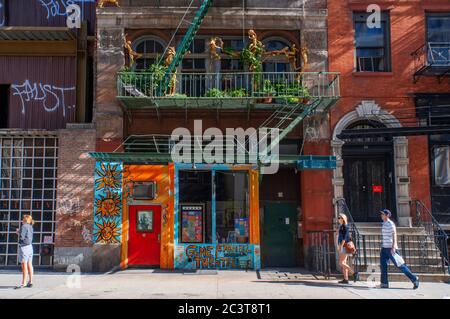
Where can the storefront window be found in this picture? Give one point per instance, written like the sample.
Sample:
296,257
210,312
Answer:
232,207
195,207
442,166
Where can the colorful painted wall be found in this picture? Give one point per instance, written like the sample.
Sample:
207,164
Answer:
220,256
107,203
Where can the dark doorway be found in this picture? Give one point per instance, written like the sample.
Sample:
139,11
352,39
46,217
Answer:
369,176
4,105
279,198
279,244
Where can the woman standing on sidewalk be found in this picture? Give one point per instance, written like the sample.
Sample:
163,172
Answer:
343,239
26,251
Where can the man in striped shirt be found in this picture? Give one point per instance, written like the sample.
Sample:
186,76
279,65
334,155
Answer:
389,249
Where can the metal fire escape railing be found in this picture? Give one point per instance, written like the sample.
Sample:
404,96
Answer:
342,208
293,96
424,218
432,59
184,45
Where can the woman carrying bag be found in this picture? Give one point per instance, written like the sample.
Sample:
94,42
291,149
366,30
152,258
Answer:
345,248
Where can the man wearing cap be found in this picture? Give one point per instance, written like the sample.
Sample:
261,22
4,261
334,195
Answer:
389,249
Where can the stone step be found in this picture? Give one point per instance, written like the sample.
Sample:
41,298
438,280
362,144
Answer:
399,277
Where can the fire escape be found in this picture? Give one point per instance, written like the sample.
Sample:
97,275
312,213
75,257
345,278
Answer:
290,97
432,59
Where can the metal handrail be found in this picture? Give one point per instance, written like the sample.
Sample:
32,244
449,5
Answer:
356,236
424,218
242,85
427,54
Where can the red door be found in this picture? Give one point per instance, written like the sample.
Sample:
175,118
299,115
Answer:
145,235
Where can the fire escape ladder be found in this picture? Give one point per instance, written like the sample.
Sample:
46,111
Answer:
285,120
184,45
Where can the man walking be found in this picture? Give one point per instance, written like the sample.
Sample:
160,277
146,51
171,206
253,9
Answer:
389,251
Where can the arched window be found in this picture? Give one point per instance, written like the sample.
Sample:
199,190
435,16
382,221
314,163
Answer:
277,63
151,49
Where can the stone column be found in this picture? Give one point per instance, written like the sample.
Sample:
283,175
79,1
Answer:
108,114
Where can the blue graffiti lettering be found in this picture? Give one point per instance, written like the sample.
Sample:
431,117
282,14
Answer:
52,97
59,7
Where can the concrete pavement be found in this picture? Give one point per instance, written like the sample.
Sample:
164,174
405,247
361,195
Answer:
268,284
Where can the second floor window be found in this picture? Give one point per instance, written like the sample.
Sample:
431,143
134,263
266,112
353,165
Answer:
372,44
438,38
151,49
277,63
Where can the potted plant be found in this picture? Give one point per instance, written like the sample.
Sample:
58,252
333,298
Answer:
236,93
296,93
214,92
268,91
157,74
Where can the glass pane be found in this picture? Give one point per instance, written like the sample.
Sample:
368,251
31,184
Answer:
232,208
196,190
438,28
442,166
275,45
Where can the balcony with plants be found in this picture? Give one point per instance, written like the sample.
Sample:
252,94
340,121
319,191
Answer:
251,85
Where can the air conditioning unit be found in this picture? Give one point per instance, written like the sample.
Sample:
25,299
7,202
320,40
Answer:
144,190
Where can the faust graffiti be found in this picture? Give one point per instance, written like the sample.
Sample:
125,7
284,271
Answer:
50,96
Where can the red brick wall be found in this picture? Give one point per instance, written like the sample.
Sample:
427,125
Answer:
75,193
392,91
317,192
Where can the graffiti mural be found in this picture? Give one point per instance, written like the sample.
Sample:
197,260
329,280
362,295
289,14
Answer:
108,203
220,256
50,96
57,8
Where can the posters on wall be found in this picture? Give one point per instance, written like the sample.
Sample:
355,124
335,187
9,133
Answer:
192,221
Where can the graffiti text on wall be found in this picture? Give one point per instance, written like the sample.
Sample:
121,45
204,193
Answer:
60,7
52,97
221,256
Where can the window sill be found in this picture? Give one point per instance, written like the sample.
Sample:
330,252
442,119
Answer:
373,74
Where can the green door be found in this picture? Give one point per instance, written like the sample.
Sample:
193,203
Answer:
279,239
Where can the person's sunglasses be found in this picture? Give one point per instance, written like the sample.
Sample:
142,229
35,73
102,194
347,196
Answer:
339,217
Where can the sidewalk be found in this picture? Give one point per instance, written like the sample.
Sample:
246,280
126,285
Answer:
135,283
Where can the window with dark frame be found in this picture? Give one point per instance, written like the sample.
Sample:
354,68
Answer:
28,183
276,64
441,174
151,50
438,38
372,45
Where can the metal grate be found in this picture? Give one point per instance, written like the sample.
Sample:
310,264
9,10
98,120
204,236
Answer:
28,182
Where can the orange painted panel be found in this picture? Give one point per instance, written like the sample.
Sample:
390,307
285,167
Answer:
254,207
